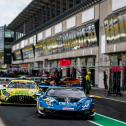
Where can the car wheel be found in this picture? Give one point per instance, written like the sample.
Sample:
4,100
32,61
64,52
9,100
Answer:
41,114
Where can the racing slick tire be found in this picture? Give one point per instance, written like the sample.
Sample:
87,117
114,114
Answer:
40,114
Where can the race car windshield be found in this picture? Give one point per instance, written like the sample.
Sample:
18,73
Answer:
66,93
22,85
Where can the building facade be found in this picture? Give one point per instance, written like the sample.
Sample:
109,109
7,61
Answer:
6,39
1,46
90,34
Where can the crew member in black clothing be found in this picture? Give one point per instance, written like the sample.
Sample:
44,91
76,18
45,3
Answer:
105,80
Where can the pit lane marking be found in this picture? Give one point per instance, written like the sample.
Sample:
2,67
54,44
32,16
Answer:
2,123
102,120
111,118
95,123
114,100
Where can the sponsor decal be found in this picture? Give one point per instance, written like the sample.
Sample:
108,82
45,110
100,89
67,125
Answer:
66,108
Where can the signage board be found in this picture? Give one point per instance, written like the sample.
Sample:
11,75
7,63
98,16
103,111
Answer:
65,63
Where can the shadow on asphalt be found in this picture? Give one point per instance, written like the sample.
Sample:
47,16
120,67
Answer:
74,118
18,105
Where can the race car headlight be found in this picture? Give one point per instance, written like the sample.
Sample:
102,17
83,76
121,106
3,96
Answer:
5,93
50,101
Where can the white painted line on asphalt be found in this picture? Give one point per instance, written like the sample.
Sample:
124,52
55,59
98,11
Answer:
114,100
111,118
95,123
2,123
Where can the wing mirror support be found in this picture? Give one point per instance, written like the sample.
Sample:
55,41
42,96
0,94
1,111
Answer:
39,94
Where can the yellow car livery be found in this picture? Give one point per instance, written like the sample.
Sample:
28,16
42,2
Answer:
19,92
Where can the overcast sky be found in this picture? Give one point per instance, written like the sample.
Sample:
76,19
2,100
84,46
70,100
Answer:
9,9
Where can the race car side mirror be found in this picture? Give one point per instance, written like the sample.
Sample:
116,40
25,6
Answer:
39,94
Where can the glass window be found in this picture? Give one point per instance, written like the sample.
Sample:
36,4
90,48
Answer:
116,29
87,36
90,62
124,17
111,30
72,40
45,49
121,27
64,41
84,36
7,46
114,60
77,40
28,53
18,55
1,56
1,33
39,50
59,40
93,35
9,34
28,85
1,43
83,62
69,93
81,39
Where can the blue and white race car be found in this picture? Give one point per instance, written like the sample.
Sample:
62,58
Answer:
65,102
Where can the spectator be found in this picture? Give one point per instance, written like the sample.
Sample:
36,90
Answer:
105,80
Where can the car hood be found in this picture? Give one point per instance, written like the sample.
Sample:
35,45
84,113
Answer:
75,103
28,92
63,105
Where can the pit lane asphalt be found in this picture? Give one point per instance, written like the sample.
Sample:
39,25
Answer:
111,108
27,116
